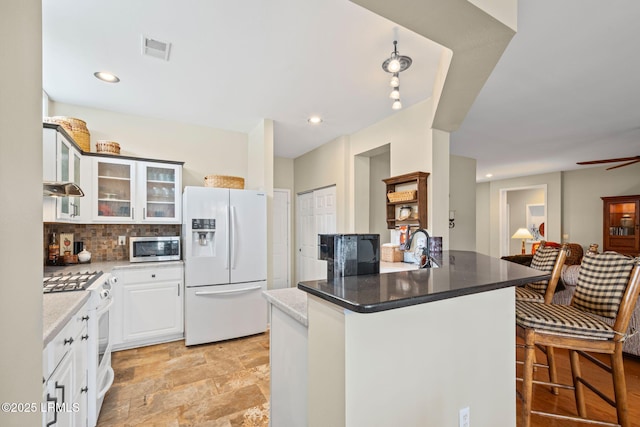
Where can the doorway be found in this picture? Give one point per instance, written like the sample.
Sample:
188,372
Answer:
522,207
315,214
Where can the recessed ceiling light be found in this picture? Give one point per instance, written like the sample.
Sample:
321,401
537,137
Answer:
106,76
314,120
489,175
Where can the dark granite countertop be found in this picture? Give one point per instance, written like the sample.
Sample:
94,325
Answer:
460,273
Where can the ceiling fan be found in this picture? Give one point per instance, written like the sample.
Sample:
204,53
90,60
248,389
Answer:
628,161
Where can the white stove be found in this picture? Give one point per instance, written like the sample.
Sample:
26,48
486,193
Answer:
100,372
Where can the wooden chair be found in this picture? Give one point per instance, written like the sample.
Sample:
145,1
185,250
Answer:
547,259
608,285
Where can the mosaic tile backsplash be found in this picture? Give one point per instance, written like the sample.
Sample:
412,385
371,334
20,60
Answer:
102,239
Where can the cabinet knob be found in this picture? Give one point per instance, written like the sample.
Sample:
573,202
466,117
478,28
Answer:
84,389
84,337
68,341
84,318
153,275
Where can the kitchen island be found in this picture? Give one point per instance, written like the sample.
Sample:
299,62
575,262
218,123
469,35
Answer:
415,347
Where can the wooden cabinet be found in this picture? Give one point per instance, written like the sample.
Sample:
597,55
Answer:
127,190
148,307
412,181
621,224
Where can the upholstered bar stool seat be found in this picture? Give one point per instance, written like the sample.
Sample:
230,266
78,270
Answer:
608,286
563,320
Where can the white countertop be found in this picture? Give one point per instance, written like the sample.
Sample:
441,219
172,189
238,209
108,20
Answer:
291,301
58,309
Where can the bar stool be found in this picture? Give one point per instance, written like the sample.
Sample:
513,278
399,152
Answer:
608,285
547,259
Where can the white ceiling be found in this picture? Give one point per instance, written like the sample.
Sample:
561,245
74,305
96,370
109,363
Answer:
233,63
567,88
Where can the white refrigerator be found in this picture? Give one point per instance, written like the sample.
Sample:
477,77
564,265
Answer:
224,233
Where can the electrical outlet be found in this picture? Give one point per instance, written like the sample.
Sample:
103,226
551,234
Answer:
464,417
122,240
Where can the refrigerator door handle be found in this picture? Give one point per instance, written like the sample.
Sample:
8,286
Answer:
226,246
234,291
233,237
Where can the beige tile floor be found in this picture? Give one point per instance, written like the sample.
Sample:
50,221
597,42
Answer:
213,385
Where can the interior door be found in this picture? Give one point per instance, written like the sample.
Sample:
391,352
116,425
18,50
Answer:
281,223
324,213
307,241
316,214
248,235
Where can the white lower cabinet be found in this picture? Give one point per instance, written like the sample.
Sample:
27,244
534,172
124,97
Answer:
149,305
64,395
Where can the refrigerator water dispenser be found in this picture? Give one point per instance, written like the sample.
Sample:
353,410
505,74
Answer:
202,241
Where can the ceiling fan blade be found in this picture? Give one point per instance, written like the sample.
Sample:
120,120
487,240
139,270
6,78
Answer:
622,159
624,164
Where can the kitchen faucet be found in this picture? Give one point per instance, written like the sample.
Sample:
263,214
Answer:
425,260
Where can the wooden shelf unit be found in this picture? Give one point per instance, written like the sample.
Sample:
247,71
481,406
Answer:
621,224
420,180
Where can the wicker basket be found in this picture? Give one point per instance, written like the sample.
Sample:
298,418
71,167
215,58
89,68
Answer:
224,181
391,254
402,196
108,147
77,128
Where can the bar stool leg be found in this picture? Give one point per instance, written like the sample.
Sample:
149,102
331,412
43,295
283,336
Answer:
576,373
553,376
620,386
527,377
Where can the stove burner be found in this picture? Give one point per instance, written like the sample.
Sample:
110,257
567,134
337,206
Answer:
66,282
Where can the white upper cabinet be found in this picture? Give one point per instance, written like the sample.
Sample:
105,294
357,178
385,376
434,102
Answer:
113,190
117,190
160,192
62,162
136,191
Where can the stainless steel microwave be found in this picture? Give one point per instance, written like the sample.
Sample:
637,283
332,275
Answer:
144,249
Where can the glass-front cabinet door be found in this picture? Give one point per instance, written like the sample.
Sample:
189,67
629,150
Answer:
621,224
68,170
160,187
114,190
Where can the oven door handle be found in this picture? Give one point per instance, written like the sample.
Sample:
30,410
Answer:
234,291
107,386
104,309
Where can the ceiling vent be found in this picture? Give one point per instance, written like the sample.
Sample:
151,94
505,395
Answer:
155,48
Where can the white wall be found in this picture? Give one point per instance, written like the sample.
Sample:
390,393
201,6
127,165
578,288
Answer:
283,173
323,167
204,150
574,203
283,178
483,218
379,167
21,219
581,204
462,200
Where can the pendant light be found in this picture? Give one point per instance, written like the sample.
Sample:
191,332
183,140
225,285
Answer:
396,64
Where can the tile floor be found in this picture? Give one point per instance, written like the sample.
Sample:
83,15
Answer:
213,385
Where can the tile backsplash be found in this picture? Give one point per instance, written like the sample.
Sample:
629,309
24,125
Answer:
102,239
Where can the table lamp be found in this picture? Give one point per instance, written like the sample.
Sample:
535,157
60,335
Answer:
523,234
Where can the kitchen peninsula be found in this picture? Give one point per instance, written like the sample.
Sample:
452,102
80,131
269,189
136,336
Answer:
414,347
